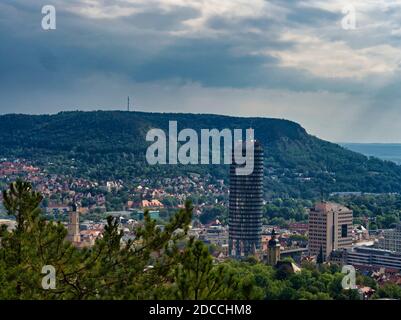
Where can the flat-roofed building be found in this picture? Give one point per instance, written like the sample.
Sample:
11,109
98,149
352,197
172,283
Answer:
391,239
330,228
246,206
367,257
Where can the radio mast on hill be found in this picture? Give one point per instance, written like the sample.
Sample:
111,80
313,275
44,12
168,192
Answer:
129,105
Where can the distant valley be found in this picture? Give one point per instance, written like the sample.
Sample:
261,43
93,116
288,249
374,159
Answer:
384,151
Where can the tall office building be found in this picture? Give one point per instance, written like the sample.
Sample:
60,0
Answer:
391,239
329,228
245,207
73,234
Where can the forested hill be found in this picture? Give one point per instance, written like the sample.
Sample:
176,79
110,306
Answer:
111,145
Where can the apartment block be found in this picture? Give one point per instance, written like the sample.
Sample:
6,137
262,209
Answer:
329,228
391,240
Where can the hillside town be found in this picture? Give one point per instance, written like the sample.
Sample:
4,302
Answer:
60,191
82,206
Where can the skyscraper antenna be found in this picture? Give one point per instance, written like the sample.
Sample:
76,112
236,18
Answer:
128,105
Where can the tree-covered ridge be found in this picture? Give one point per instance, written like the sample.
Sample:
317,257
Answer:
111,145
157,264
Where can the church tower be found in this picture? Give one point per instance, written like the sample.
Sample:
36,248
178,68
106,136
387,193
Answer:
273,250
73,234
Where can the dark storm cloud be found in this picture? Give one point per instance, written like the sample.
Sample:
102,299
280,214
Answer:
103,50
129,46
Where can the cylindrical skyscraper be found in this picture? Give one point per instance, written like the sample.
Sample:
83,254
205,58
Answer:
245,207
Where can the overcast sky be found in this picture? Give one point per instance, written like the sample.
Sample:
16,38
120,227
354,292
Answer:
282,59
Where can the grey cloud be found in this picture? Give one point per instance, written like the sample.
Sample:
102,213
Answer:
89,63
